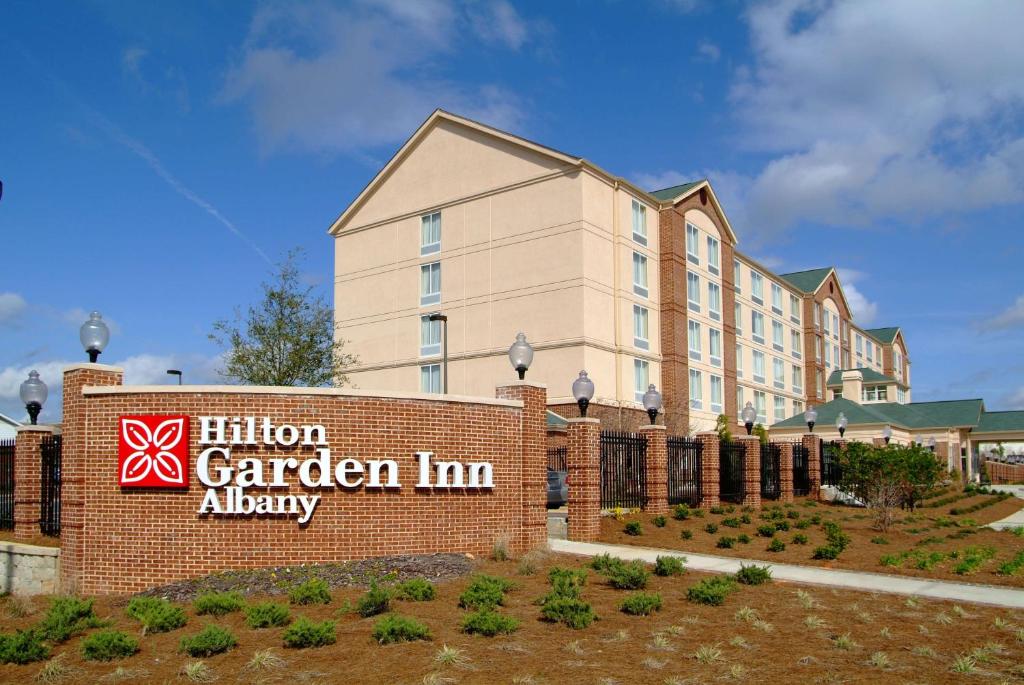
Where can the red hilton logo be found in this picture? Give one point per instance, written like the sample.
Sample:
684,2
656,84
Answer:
152,452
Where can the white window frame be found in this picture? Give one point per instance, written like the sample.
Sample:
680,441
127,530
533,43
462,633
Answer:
761,406
739,360
739,402
693,290
758,377
754,318
641,378
798,379
716,381
696,390
640,275
430,378
779,408
428,224
714,309
778,373
713,335
795,341
714,261
641,327
777,298
738,317
737,273
692,241
639,223
427,294
430,337
693,340
778,336
794,309
756,287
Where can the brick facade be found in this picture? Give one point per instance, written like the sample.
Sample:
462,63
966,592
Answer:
786,472
710,462
751,470
657,469
612,418
999,472
583,459
28,480
813,445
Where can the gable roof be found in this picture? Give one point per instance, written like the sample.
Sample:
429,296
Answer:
4,418
916,415
669,194
869,375
677,194
1000,421
555,421
807,281
885,335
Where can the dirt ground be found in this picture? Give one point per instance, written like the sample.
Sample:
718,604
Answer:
894,640
929,529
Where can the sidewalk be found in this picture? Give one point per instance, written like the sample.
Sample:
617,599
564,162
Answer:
853,580
1016,519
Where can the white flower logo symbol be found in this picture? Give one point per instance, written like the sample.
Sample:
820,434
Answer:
152,451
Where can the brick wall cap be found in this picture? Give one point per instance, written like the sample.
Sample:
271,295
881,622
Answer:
523,384
30,550
29,428
654,427
580,419
706,434
288,390
745,437
93,367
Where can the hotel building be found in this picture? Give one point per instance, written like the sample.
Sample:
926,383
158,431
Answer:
501,235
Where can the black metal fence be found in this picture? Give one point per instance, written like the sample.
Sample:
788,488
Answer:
730,471
556,458
49,506
831,471
801,470
771,457
6,484
623,469
684,471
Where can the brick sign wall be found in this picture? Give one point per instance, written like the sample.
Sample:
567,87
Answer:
121,538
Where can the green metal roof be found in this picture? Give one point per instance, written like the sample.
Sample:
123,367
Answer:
870,376
886,335
675,191
1000,421
556,421
946,414
807,281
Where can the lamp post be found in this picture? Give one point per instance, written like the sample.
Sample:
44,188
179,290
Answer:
748,415
521,355
583,391
175,372
33,394
94,335
443,318
652,402
931,444
810,416
841,423
887,433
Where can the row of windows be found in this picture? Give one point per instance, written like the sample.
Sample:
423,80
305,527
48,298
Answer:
778,370
693,296
757,292
759,400
757,332
712,253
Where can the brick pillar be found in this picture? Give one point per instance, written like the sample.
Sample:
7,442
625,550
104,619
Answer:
709,465
583,460
813,445
786,472
28,480
751,470
534,396
657,469
74,467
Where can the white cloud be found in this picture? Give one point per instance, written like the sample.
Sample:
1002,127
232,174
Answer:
1015,400
662,179
864,310
708,51
499,22
325,79
11,306
1011,317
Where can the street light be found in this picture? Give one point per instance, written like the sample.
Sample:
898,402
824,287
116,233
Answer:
931,443
94,335
521,355
810,416
652,402
583,391
841,423
438,316
175,372
887,433
748,415
33,394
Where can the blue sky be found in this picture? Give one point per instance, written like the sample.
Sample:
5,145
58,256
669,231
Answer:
157,158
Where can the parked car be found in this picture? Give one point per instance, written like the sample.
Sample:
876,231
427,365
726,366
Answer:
558,490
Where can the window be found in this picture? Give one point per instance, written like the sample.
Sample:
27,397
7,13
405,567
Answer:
868,393
837,394
712,255
798,407
817,315
897,362
846,359
777,332
860,345
640,327
716,394
756,287
901,395
739,360
780,408
736,275
777,298
798,380
883,393
868,346
430,283
738,316
835,326
430,233
739,402
430,336
794,343
819,384
640,275
757,326
836,359
693,336
846,331
692,248
641,376
430,378
693,290
715,346
794,309
817,348
828,319
714,301
696,390
875,392
639,223
759,405
758,366
779,374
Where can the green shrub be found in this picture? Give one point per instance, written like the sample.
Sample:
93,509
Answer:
754,575
574,613
1013,566
633,528
800,539
699,513
725,542
712,591
681,512
659,521
267,615
686,535
971,559
631,576
803,524
879,540
305,633
816,519
641,604
488,622
731,522
313,591
67,617
108,645
669,566
375,601
890,560
209,641
22,647
792,514
567,582
156,615
743,539
766,531
776,545
745,518
717,509
484,592
218,603
606,563
416,590
711,528
395,628
827,552
782,525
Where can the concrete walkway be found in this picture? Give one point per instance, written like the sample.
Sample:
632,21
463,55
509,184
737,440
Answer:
853,580
1016,519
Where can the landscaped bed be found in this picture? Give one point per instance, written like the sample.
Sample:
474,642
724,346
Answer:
682,627
931,542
